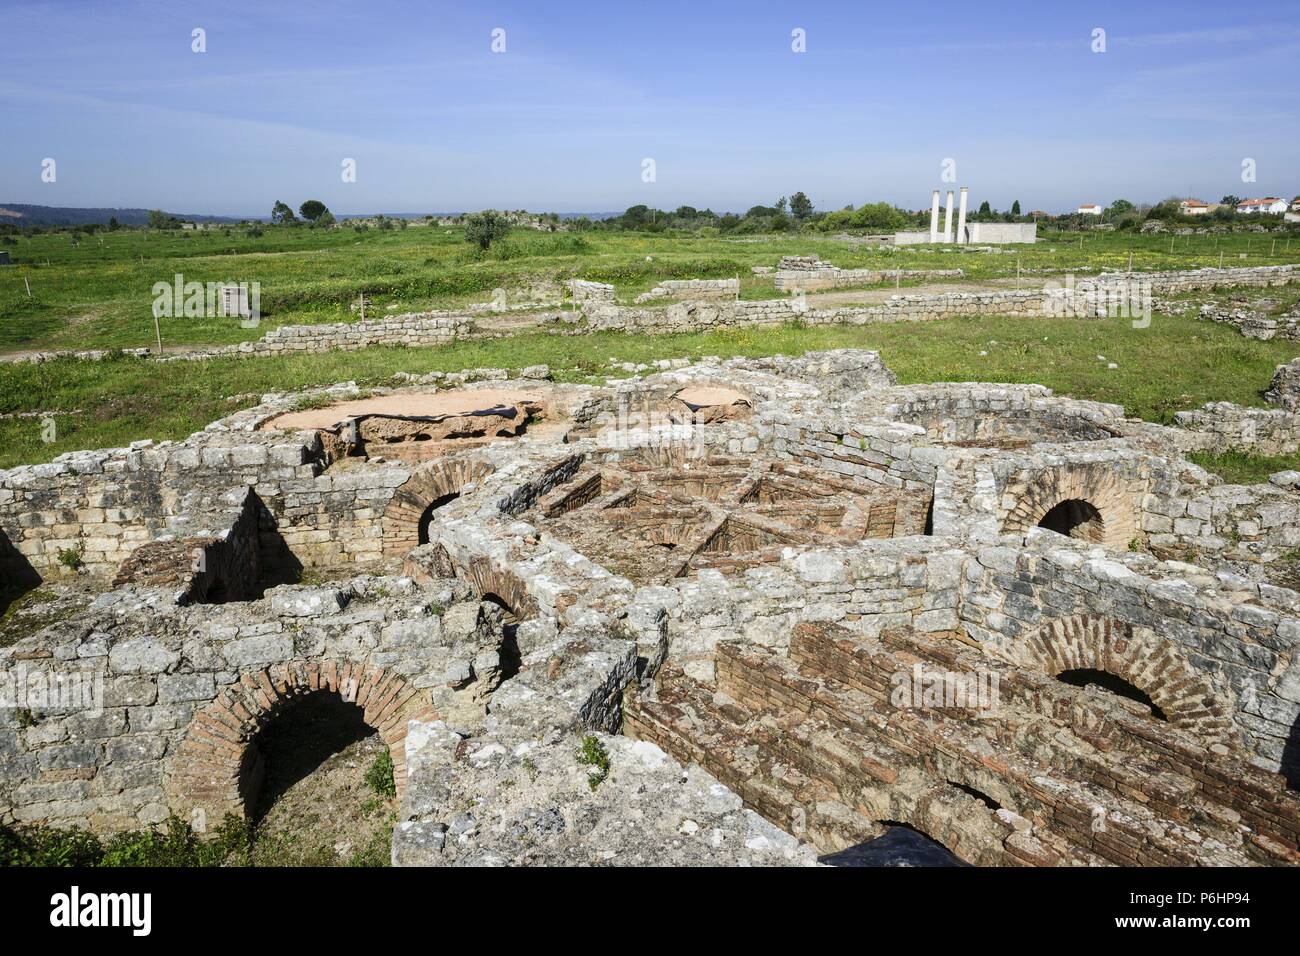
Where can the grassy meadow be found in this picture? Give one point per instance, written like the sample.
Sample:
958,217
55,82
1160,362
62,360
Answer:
97,293
94,291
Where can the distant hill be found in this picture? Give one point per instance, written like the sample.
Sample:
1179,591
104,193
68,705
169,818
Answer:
21,214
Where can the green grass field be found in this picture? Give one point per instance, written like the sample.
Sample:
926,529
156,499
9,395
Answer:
1177,363
96,291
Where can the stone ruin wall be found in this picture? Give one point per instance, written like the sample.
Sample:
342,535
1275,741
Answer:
826,276
1003,594
600,313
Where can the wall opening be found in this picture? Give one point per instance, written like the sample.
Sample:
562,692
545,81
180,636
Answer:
216,592
426,519
17,576
297,742
979,795
1089,677
900,845
511,657
1074,518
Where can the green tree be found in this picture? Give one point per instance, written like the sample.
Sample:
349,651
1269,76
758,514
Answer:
281,214
801,207
1015,208
1230,200
157,219
312,210
484,228
113,224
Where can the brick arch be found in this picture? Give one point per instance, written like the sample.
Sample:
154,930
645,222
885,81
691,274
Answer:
401,520
506,585
217,767
1157,667
1095,484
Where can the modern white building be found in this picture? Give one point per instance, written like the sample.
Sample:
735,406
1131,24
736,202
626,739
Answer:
1270,205
1090,209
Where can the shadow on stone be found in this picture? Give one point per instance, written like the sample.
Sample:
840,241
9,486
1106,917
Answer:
900,845
17,576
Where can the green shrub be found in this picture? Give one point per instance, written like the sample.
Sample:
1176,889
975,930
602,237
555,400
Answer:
72,558
175,845
380,775
594,755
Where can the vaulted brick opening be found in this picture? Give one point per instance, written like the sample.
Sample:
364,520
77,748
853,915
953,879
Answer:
220,766
409,516
1085,501
1134,663
296,742
428,517
1111,683
1075,518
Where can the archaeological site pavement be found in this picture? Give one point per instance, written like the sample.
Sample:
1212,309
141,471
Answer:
742,611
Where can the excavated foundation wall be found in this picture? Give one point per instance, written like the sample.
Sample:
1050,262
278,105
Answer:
150,738
1206,644
1246,650
1222,426
108,503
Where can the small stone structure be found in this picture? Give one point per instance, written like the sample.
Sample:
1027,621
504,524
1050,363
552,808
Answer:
1284,390
692,289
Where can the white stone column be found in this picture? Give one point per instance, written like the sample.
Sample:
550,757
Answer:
961,217
947,220
934,217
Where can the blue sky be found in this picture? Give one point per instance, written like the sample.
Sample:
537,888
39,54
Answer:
712,92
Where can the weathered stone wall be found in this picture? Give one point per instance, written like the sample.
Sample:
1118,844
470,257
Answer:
1243,637
1222,426
584,291
1263,521
692,288
991,415
105,504
1089,297
1284,390
810,280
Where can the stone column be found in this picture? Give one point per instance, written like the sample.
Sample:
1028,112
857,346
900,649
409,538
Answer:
947,220
934,216
961,217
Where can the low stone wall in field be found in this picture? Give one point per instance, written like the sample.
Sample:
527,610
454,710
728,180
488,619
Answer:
1089,297
795,280
693,289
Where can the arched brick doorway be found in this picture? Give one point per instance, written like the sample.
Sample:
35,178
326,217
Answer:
501,587
1182,695
217,768
406,519
1082,501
